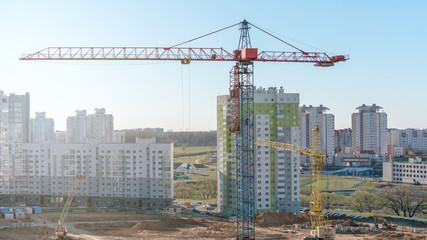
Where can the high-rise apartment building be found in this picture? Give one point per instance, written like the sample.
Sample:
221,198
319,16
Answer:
137,175
277,184
343,138
100,126
77,127
310,117
119,137
41,128
413,139
85,127
393,136
369,127
14,131
60,136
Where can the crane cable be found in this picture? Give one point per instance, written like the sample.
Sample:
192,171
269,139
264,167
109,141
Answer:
308,45
262,30
205,35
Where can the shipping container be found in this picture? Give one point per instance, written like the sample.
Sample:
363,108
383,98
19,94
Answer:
29,210
20,215
18,210
4,210
37,210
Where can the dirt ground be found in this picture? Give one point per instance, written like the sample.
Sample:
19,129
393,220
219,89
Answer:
127,226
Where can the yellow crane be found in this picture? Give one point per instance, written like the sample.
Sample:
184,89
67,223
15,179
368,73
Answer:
317,159
60,230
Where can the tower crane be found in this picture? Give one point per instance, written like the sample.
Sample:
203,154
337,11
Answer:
241,89
317,159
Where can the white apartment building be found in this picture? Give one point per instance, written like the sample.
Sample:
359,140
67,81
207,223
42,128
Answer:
413,171
41,128
14,131
138,174
369,128
413,139
393,137
77,127
310,117
84,127
100,126
118,137
277,184
60,136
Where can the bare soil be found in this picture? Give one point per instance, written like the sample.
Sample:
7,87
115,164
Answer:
127,225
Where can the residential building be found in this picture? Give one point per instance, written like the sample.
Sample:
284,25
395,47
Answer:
310,117
77,127
393,135
100,126
156,131
413,139
60,136
14,131
118,137
136,175
369,128
277,184
84,127
186,168
395,151
343,139
412,171
41,128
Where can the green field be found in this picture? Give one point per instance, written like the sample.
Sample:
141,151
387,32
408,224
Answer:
189,190
191,154
191,150
336,183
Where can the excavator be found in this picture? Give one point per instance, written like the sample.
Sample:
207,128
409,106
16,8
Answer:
320,230
385,225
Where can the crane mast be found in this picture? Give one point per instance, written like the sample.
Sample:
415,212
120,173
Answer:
242,124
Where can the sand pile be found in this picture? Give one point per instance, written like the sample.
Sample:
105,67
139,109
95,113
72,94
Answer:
274,219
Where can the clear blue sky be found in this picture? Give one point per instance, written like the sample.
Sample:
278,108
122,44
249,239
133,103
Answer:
386,41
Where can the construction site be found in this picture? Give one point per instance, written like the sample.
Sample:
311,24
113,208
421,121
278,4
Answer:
127,224
139,204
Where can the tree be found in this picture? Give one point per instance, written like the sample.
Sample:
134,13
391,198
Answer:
364,201
208,188
401,199
328,200
305,200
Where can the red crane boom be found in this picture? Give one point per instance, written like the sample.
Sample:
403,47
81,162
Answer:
193,54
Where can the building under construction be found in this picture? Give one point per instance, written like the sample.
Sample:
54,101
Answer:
277,185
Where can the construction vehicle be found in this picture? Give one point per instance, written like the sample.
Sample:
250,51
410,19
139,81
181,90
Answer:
241,90
385,224
320,230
